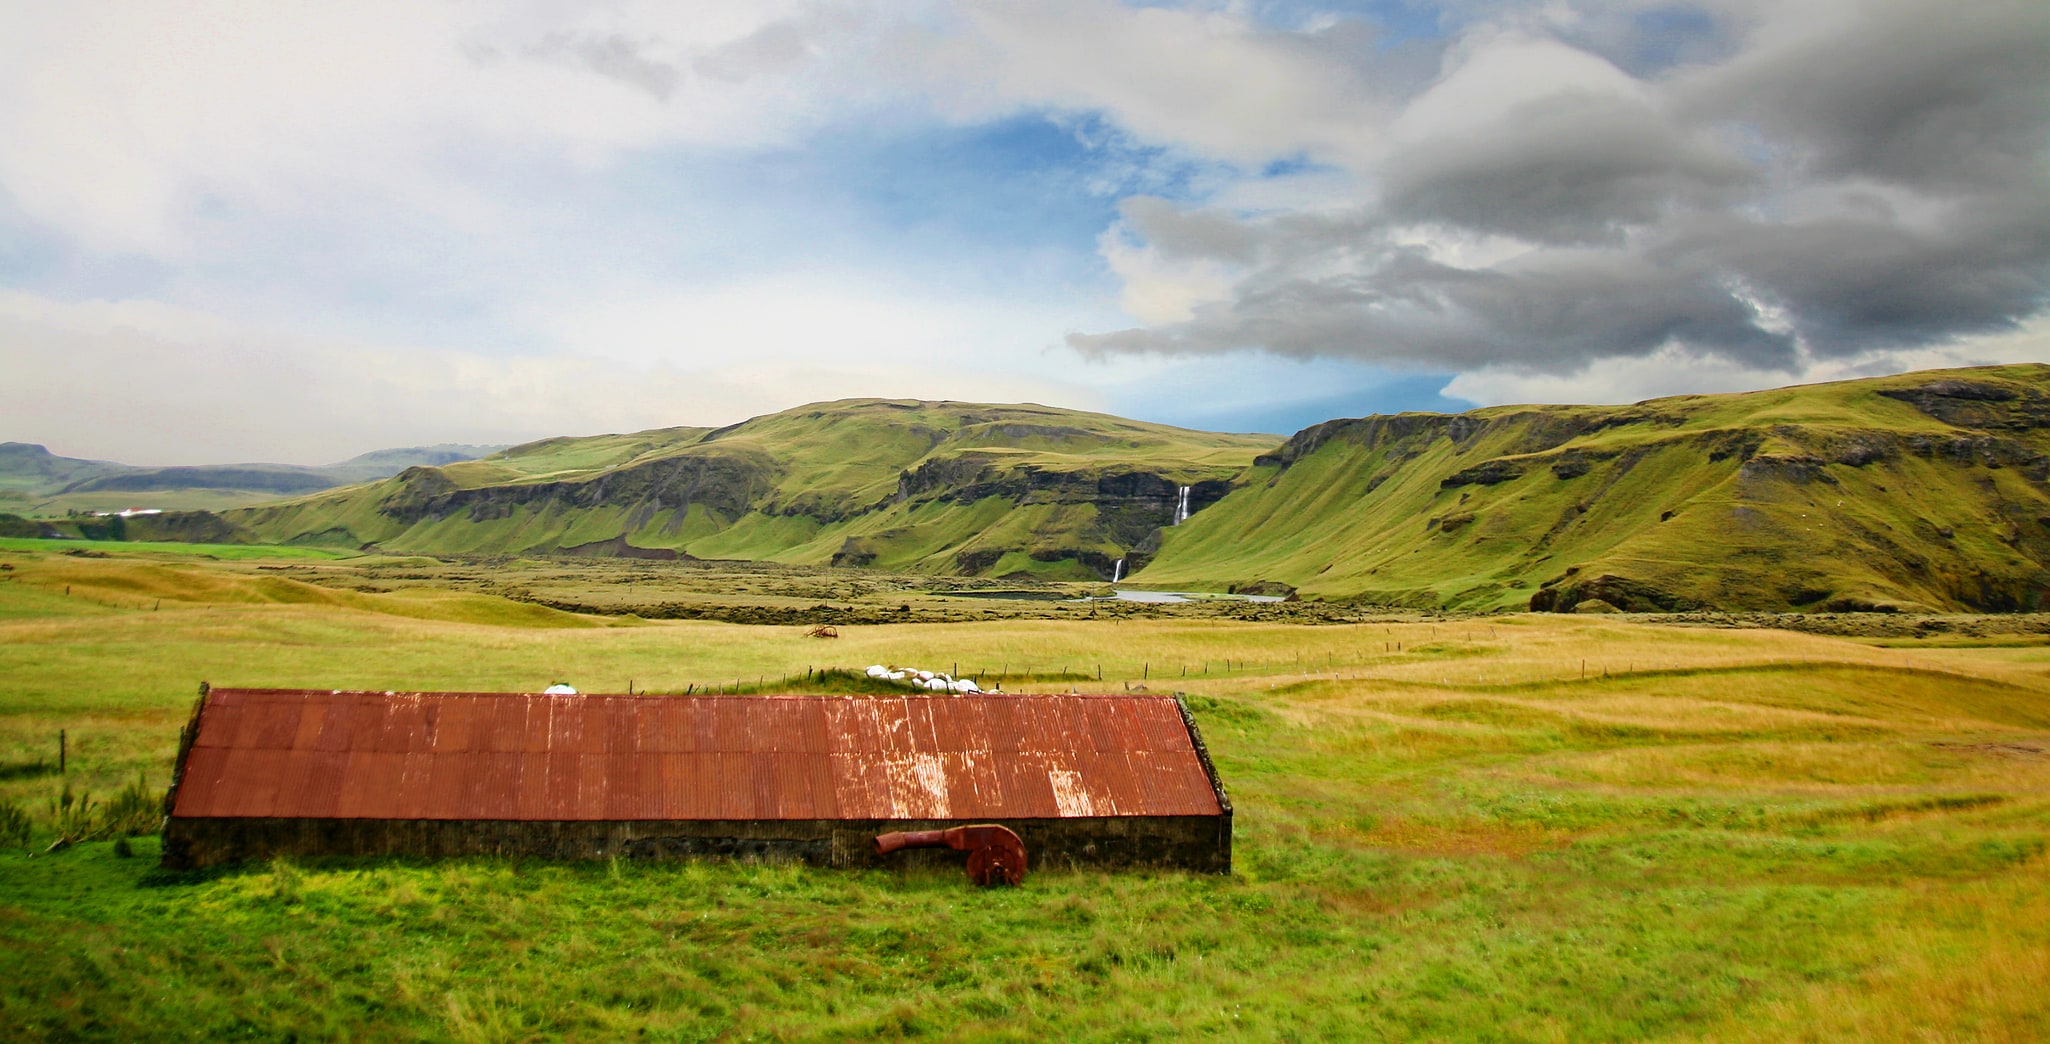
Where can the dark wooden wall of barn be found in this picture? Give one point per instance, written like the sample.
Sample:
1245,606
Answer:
1198,843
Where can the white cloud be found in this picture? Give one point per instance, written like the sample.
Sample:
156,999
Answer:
560,179
914,337
119,121
1490,75
1210,81
1160,289
147,383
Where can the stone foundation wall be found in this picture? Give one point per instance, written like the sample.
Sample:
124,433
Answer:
1199,843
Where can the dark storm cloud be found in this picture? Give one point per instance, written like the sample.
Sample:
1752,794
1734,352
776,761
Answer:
1850,285
1938,94
1550,313
1574,168
1869,181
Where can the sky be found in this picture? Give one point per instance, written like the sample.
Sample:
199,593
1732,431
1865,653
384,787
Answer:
296,232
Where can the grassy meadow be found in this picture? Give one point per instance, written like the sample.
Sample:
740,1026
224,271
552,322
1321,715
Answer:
1513,828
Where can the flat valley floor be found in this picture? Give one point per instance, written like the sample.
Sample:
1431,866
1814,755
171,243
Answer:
1512,827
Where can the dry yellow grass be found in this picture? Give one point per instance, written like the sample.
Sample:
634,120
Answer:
1446,830
1969,963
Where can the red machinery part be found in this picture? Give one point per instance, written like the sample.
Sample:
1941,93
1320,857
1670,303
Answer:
995,855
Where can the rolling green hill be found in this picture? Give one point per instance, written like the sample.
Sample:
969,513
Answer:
1921,491
938,487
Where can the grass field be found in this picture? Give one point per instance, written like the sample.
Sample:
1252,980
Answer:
223,552
1528,828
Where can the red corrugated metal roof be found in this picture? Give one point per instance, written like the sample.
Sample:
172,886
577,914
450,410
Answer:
413,755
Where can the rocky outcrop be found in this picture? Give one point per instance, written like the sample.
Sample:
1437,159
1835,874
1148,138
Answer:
728,485
1986,405
1565,594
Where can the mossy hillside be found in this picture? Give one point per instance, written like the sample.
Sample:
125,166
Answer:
1854,494
565,456
906,485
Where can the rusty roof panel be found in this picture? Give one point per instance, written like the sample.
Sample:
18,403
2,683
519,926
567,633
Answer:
447,782
592,782
925,737
1024,779
621,797
266,767
1000,728
837,719
366,722
454,727
313,782
1162,727
957,782
360,798
337,727
200,789
217,726
1042,725
1167,782
502,726
312,722
416,780
730,778
522,756
643,799
271,727
966,724
1112,785
986,783
1118,725
818,771
731,729
405,725
859,785
565,777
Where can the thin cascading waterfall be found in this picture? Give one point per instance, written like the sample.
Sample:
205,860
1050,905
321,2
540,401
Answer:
1181,507
1117,572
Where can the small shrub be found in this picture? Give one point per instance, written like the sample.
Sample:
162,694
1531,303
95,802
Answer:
73,817
134,811
14,825
122,848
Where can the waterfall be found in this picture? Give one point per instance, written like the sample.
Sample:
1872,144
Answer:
1181,508
1117,572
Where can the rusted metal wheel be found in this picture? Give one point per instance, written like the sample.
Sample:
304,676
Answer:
999,863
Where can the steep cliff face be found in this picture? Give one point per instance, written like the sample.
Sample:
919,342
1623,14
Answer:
1922,491
940,487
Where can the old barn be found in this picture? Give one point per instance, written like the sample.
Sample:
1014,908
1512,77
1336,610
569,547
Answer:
1107,780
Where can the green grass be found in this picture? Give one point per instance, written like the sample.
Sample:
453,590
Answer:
224,552
55,505
1446,830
